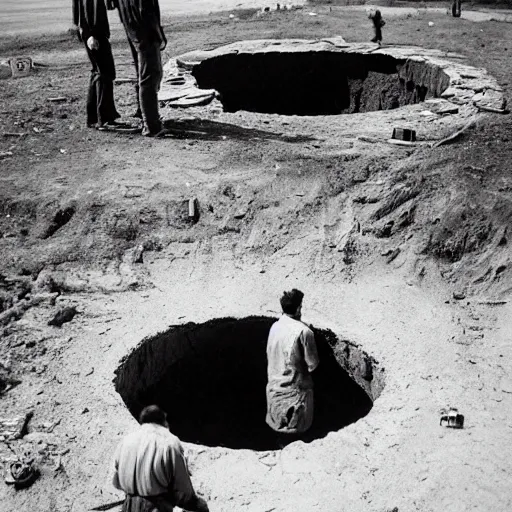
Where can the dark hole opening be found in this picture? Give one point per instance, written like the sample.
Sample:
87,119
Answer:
211,378
313,83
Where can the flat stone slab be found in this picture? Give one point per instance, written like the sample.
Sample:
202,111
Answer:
179,88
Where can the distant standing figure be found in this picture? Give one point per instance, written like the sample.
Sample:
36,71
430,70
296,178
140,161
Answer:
150,467
456,8
141,20
291,357
90,16
378,23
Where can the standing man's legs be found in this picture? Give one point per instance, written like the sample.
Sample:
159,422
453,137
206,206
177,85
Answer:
92,99
150,76
102,80
138,112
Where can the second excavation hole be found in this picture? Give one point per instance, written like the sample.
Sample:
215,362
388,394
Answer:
210,378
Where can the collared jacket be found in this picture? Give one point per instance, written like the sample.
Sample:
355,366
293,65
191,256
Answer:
141,20
91,17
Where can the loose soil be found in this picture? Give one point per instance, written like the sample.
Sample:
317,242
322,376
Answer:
405,251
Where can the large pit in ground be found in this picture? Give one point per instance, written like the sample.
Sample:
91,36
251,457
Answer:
326,77
311,83
211,378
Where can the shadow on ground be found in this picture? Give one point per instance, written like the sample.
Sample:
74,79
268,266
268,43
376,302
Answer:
211,131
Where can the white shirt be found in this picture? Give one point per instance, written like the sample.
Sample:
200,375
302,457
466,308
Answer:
151,461
291,357
291,354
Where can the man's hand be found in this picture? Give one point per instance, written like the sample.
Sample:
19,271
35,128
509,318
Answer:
202,506
163,39
197,504
93,43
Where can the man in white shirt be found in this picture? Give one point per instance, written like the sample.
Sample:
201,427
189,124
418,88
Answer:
291,356
150,467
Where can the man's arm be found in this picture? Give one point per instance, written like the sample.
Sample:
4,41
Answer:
183,491
115,477
150,13
310,349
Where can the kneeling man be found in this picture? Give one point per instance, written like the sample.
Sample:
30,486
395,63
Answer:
292,356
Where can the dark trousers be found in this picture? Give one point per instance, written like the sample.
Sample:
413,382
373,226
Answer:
378,35
148,65
162,503
101,108
138,113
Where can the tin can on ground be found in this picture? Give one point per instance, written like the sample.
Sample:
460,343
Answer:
20,66
452,419
404,134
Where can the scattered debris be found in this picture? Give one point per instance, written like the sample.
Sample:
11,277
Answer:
16,311
365,138
62,316
14,428
447,110
134,255
193,211
7,383
48,427
20,66
456,135
506,386
22,474
392,255
14,134
240,215
485,108
108,506
493,302
452,419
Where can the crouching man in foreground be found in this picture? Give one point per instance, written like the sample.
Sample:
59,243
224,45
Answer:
150,467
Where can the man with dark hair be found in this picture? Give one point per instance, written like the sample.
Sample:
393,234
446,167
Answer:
90,18
150,467
291,356
141,21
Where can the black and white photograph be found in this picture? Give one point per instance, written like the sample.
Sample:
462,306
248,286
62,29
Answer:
255,256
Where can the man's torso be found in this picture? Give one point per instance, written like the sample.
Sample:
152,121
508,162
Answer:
145,461
285,355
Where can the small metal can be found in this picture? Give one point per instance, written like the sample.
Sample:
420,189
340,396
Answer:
452,419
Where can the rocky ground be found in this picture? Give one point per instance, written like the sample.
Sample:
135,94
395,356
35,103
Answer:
401,250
